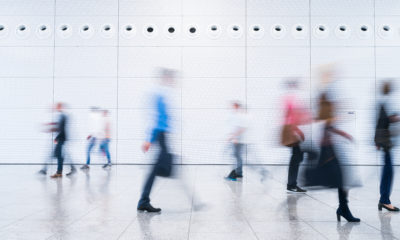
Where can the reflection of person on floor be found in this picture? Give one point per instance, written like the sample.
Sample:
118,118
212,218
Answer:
60,127
159,135
238,122
344,230
383,142
291,200
386,225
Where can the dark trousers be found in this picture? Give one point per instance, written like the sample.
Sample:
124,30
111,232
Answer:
163,154
387,179
58,153
237,152
297,157
342,197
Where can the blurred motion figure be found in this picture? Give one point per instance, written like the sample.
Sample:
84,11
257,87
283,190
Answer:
291,135
159,134
383,142
238,121
99,132
328,172
60,128
329,169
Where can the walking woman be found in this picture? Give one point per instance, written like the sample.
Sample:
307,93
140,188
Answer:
329,172
291,135
383,142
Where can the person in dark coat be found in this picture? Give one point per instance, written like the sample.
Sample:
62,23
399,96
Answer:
328,172
60,128
383,142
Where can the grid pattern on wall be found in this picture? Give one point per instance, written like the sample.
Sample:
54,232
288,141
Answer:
104,53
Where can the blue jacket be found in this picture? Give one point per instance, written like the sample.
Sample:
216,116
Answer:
162,118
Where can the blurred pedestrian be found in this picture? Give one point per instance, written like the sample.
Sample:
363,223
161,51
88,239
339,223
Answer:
159,135
94,133
383,142
60,128
106,138
99,125
238,121
328,172
291,135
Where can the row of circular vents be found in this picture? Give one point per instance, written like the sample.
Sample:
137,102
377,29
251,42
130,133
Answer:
278,31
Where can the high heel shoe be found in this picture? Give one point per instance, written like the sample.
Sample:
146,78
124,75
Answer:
381,205
344,211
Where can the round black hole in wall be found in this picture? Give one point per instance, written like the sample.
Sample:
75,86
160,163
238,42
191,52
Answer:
1,27
64,28
22,28
256,28
171,30
214,28
128,28
278,28
192,30
342,28
150,29
85,28
299,28
386,28
43,28
107,28
321,28
364,28
235,28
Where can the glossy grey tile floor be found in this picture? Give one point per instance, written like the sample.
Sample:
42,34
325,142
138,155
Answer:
102,205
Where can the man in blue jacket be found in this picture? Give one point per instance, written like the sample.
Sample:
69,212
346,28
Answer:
158,135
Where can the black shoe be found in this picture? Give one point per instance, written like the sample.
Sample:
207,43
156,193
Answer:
84,167
149,208
232,176
43,172
73,171
295,189
381,205
239,175
344,211
108,165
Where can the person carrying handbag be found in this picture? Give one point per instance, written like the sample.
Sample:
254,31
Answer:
159,135
292,136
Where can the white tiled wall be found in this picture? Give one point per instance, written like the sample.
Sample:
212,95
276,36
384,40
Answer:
100,53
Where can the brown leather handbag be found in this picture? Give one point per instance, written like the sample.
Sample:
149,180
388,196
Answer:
289,137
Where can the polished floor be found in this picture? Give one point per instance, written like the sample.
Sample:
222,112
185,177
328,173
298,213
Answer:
200,204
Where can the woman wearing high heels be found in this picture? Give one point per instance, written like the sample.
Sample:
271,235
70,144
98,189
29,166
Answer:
383,142
328,172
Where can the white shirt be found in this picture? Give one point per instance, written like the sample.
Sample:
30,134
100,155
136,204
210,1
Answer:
239,120
105,123
95,124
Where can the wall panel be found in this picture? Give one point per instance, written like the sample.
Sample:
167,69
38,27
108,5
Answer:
108,54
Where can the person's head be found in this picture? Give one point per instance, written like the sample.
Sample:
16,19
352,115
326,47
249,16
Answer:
292,83
167,77
59,107
386,87
327,74
236,105
94,109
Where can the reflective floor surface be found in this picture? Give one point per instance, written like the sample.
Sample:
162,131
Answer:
200,204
